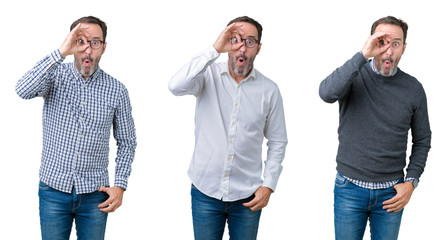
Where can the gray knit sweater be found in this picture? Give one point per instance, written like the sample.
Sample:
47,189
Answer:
376,113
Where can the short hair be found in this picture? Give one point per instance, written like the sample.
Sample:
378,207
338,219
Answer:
391,20
94,20
249,20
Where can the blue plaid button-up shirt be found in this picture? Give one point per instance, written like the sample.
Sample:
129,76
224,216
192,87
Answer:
77,118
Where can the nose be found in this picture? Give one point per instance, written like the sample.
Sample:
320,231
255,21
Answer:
88,49
243,48
389,51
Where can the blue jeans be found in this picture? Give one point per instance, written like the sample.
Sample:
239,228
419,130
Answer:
353,205
58,209
210,214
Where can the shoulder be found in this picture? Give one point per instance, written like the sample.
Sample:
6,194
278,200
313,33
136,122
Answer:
267,82
411,82
112,89
108,80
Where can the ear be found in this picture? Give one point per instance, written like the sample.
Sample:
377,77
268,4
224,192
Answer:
405,46
259,48
104,48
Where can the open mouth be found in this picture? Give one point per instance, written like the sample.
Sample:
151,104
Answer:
241,60
387,62
87,61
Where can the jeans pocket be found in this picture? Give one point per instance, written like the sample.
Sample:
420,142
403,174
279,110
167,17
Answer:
340,181
194,187
43,186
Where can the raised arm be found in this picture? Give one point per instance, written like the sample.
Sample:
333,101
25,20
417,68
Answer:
189,79
338,84
37,82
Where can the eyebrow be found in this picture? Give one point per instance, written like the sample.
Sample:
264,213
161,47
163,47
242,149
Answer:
96,38
252,37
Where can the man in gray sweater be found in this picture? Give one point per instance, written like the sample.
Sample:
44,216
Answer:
379,104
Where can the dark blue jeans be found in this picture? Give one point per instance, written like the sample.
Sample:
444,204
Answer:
58,209
354,205
210,214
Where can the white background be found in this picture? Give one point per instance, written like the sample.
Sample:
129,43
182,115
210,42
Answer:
148,41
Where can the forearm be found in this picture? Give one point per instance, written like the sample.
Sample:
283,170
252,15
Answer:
38,80
338,83
273,164
188,79
124,159
276,133
421,138
418,157
125,136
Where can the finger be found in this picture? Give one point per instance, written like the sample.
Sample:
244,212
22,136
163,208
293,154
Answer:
378,35
391,200
106,203
80,28
108,209
237,45
250,204
391,205
396,208
238,28
112,207
256,208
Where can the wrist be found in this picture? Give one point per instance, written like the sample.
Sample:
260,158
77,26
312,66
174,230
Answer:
414,181
63,53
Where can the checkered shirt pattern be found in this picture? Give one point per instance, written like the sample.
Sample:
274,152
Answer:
77,118
376,185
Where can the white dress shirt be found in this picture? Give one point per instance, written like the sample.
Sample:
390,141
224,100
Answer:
231,122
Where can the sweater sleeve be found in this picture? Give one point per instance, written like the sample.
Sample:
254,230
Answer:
338,84
421,138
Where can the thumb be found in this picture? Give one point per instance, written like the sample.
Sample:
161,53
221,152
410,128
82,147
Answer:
249,204
102,189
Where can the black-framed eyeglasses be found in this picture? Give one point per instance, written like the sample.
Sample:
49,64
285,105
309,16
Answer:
249,42
94,44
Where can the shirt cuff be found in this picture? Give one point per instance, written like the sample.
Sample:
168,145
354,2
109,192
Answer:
409,179
212,53
56,56
122,183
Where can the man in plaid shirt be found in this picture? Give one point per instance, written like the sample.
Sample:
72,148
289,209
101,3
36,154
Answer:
81,104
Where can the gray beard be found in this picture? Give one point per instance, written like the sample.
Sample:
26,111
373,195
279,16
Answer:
244,72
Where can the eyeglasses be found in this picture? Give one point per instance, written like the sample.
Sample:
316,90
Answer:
249,42
94,44
393,44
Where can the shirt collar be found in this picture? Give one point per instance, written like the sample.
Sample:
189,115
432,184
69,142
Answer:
371,63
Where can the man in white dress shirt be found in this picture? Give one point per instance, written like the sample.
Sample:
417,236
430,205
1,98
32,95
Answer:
237,107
